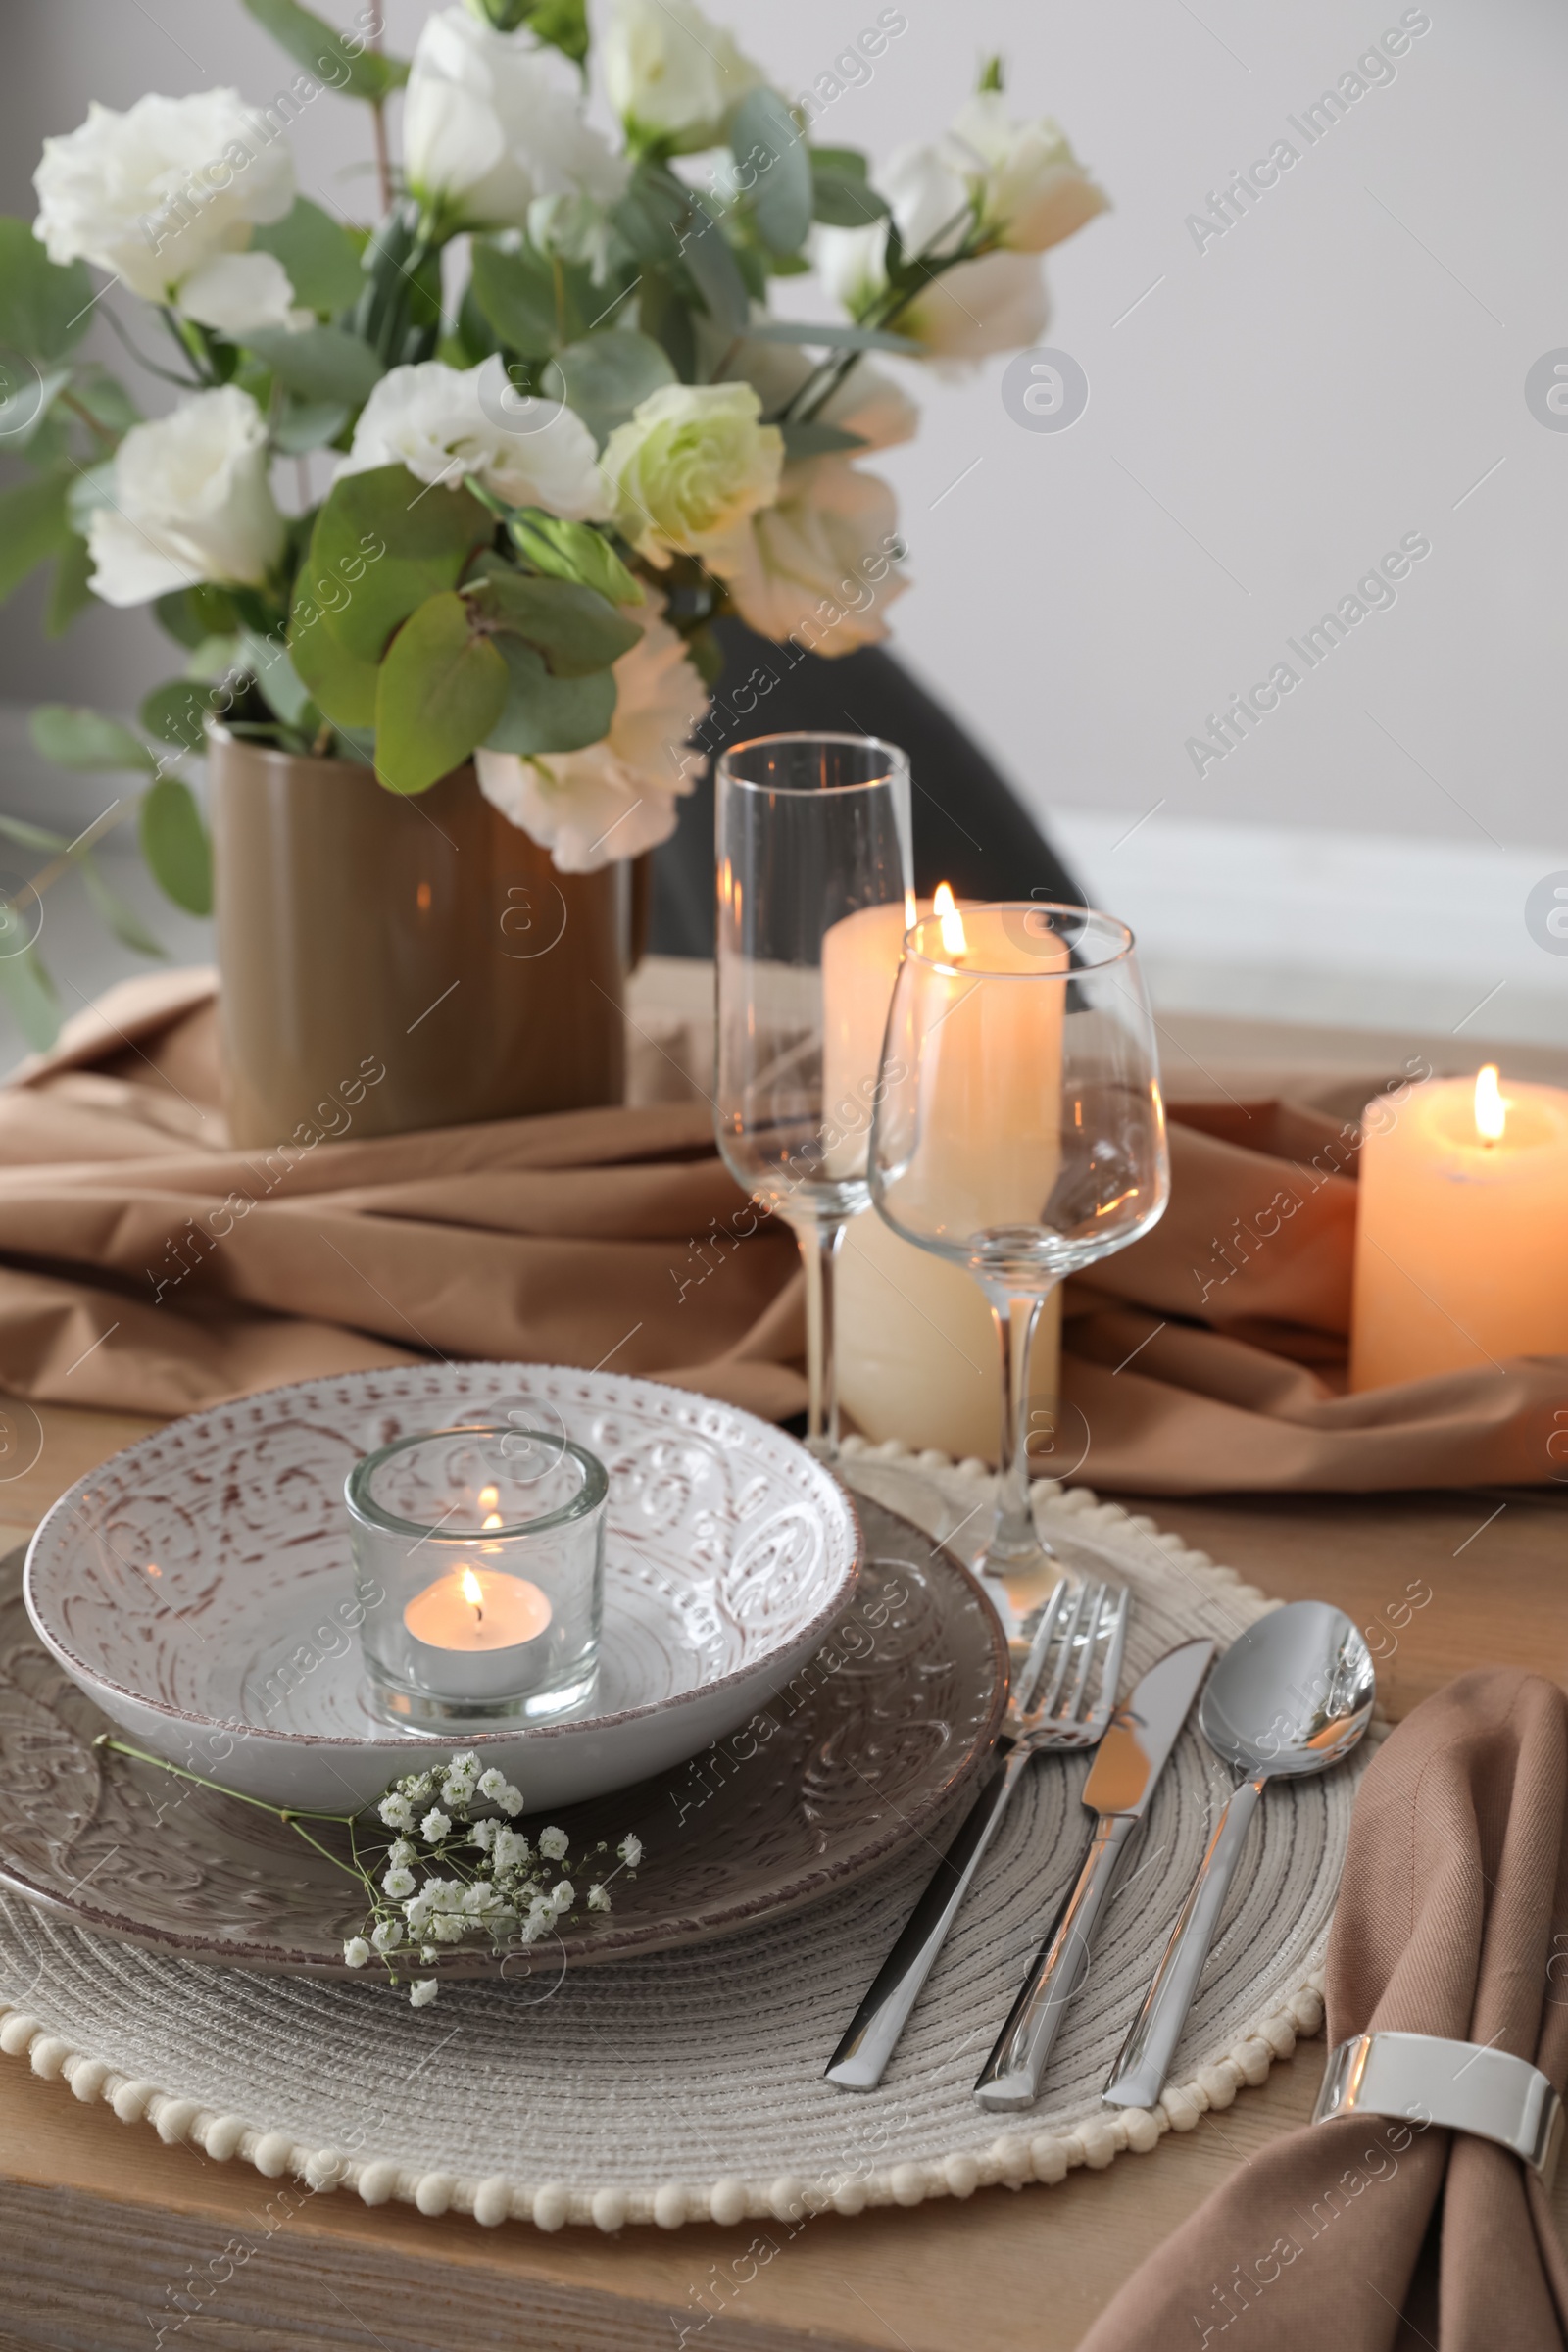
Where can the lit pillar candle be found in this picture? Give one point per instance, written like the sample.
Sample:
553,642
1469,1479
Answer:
1461,1247
916,1350
472,1629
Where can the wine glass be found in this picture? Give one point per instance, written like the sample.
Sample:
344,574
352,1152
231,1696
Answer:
814,895
1020,1130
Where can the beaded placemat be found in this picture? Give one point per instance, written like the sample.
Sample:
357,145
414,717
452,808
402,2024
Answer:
688,2085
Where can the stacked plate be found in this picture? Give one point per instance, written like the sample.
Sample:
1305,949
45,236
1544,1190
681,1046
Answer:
778,1704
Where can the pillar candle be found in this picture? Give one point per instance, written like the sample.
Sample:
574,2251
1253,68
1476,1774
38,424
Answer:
1461,1247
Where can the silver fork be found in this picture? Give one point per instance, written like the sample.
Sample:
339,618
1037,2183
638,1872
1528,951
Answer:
1080,1629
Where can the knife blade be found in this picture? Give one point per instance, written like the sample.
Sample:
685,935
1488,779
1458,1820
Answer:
1127,1765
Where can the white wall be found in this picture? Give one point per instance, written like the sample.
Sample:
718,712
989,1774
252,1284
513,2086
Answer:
1340,368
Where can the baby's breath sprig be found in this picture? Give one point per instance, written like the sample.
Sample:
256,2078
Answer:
456,1868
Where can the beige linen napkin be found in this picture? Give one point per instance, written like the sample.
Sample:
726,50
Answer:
1368,2234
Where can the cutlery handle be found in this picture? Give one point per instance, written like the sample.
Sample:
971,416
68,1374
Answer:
1139,2074
867,2045
1012,2074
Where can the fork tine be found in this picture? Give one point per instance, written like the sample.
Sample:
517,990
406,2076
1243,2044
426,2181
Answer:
1111,1679
1039,1648
1074,1708
1050,1700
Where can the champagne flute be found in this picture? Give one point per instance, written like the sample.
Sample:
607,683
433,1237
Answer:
1020,1131
814,895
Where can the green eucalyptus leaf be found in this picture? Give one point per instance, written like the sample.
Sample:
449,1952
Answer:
28,991
575,550
320,364
306,425
812,439
89,490
177,713
516,293
87,739
576,629
713,269
663,313
175,843
341,685
313,44
825,337
33,524
322,259
559,23
441,691
382,543
27,398
69,587
281,687
652,215
191,616
117,914
606,375
843,199
775,165
44,309
546,713
357,744
32,836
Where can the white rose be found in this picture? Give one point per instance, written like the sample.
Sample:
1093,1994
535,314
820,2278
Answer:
490,122
672,75
818,565
1028,186
442,423
152,194
617,797
997,302
692,461
235,293
191,503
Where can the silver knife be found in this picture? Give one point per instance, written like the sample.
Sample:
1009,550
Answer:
1129,1761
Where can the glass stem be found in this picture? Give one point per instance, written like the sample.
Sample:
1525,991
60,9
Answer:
1014,1536
820,1238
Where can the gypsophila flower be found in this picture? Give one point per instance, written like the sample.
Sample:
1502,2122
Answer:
483,1835
396,1811
435,1826
398,1883
598,1898
429,1952
356,1953
511,1849
498,1790
401,1850
418,1913
630,1849
387,1935
553,1845
563,1896
419,1786
422,1991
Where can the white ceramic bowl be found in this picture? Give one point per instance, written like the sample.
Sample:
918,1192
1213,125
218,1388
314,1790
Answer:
199,1586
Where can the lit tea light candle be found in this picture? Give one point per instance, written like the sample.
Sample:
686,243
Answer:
1461,1253
474,1624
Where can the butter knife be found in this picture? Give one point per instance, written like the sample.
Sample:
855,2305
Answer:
1127,1764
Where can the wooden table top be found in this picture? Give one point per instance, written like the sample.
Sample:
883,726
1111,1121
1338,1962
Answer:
104,2226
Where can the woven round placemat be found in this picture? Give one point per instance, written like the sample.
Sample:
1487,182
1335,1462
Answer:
688,2085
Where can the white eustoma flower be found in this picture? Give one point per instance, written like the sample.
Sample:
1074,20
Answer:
398,1883
553,1844
356,1953
820,566
190,503
422,1991
994,303
237,293
674,77
442,423
490,122
152,194
630,1849
614,798
435,1826
1028,186
691,461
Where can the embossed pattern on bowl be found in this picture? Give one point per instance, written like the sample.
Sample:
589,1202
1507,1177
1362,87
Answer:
199,1584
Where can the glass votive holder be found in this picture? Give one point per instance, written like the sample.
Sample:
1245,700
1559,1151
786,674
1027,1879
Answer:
479,1565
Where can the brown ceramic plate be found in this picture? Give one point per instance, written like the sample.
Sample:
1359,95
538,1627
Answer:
849,1762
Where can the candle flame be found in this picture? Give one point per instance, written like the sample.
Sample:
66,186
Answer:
1491,1107
489,1497
946,909
472,1589
494,1520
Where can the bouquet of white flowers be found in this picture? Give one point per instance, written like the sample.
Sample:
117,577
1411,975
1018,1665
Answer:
556,455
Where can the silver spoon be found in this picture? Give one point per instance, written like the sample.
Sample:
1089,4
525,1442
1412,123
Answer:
1292,1697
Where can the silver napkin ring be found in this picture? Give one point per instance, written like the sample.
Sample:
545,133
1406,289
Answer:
1463,2086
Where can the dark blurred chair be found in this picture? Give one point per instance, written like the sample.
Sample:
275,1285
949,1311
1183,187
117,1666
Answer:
970,827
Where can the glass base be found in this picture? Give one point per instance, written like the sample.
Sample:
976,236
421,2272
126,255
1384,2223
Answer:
414,1710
